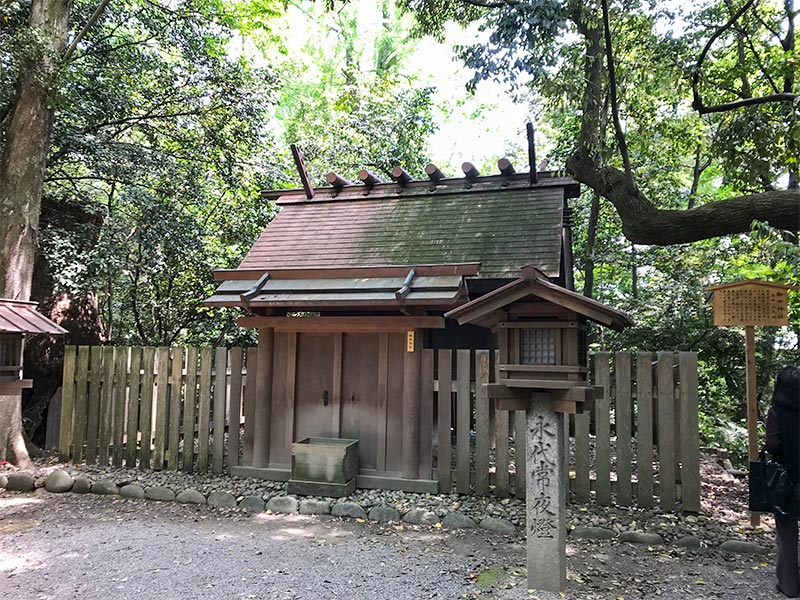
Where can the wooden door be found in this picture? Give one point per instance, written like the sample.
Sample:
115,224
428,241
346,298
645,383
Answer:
363,407
314,403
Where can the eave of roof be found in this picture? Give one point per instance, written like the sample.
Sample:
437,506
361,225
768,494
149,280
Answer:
17,316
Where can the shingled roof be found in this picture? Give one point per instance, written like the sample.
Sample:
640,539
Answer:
500,224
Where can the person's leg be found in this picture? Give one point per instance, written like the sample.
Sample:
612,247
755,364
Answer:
786,570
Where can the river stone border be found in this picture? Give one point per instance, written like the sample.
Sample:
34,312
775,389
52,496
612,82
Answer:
288,504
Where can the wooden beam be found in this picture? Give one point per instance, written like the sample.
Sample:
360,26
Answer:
301,169
433,172
343,324
339,272
263,396
412,366
505,166
399,175
470,171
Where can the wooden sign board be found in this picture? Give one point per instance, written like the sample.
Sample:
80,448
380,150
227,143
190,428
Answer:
751,303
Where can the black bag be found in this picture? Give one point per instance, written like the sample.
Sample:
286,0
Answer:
771,490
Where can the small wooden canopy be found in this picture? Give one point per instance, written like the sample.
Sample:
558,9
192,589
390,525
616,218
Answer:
534,282
18,316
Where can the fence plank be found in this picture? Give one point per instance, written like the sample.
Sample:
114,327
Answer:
249,405
204,409
67,404
482,439
690,437
520,429
134,381
666,436
602,430
462,421
81,402
93,402
220,388
106,406
120,389
235,418
501,453
426,416
174,409
146,407
644,428
622,372
189,401
582,422
162,388
444,449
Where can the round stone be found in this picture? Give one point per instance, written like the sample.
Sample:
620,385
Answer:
457,520
221,500
417,516
252,504
639,537
20,482
132,490
3,481
384,514
282,504
191,496
315,507
160,493
498,525
592,533
350,510
82,485
105,487
58,482
689,541
741,547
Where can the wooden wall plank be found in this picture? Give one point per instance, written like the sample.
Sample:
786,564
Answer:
463,415
666,434
622,374
602,430
249,405
120,395
412,366
482,438
189,409
220,389
132,427
204,408
146,407
383,395
174,408
644,429
520,433
94,399
581,486
67,404
291,385
106,406
336,388
690,435
235,417
81,405
262,412
444,450
426,416
162,389
501,454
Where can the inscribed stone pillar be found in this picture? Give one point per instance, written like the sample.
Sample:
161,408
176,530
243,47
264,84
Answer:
545,497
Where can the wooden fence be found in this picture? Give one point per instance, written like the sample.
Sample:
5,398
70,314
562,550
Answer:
134,407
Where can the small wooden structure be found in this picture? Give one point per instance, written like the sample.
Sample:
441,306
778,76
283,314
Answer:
349,284
750,303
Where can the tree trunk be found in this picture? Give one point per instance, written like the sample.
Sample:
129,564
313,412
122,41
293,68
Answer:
27,144
22,167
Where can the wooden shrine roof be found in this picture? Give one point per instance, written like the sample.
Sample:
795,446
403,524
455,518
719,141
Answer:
17,316
500,222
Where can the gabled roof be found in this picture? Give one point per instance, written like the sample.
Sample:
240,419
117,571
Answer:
17,316
534,282
502,223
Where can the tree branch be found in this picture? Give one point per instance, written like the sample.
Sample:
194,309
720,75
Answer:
86,28
716,108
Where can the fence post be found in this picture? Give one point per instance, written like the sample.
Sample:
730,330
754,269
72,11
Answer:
146,412
134,379
602,429
221,372
234,419
162,360
666,436
690,436
67,404
644,428
622,372
120,387
463,415
174,409
481,423
204,409
444,450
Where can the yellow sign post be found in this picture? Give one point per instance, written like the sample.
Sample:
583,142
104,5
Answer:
749,303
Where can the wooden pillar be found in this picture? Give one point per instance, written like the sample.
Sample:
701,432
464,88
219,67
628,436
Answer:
752,403
263,399
545,496
412,366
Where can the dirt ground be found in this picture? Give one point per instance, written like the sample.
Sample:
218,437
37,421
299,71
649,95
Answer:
92,547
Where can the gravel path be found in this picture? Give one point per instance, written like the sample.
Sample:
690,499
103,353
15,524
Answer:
73,546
